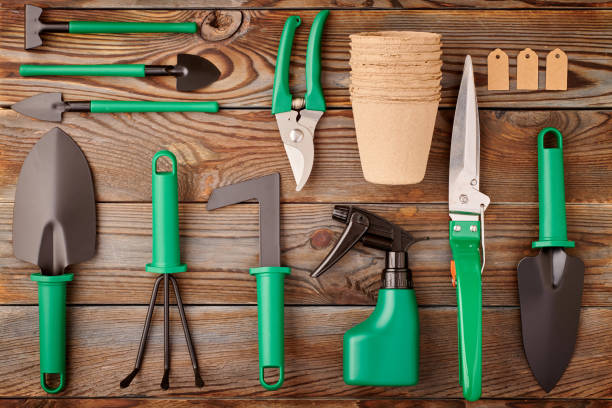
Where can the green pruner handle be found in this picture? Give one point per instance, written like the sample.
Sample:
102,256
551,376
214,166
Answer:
551,191
465,246
271,321
314,93
125,70
52,327
152,106
84,27
281,96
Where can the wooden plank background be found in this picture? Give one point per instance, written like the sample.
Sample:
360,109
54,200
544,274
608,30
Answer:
107,300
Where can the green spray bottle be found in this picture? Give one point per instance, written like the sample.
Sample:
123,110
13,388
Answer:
383,350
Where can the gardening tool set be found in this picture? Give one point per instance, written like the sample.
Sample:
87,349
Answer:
54,222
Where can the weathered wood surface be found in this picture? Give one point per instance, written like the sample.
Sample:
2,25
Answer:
247,58
234,145
331,4
103,343
219,247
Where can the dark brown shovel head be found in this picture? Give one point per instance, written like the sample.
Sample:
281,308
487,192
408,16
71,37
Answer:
54,219
198,72
550,291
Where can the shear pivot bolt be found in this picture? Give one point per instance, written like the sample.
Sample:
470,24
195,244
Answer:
463,198
473,228
457,228
296,135
474,182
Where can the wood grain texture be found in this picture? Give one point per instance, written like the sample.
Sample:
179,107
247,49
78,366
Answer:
299,4
234,145
103,343
247,59
219,247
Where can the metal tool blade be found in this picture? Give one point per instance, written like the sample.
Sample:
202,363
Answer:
54,218
45,106
198,72
301,161
266,190
32,27
464,196
550,291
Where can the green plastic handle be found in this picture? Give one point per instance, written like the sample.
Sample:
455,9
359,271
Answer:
281,96
126,70
465,246
166,245
152,106
551,191
271,321
52,327
127,27
383,350
314,93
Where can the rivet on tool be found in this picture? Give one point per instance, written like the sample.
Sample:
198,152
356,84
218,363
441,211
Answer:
457,228
463,198
473,228
474,182
296,135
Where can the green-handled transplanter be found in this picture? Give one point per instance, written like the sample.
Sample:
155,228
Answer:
34,27
51,106
270,275
192,72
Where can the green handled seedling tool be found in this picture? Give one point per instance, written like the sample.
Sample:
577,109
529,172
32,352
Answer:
166,261
192,72
384,349
550,284
467,205
51,106
34,27
270,275
54,226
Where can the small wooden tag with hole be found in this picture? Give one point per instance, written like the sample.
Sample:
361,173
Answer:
527,69
556,70
498,72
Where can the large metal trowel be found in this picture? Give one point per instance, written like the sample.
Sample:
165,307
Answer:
270,275
54,225
550,284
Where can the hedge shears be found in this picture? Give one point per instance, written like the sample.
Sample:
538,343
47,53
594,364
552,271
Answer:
297,118
466,205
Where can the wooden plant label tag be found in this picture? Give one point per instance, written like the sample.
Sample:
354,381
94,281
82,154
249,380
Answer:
498,72
556,70
527,69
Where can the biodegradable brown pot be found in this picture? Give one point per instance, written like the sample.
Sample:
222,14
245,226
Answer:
394,139
393,48
380,58
396,37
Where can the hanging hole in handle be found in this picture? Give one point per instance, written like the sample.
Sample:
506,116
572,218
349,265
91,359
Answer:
550,141
48,380
165,166
550,138
268,374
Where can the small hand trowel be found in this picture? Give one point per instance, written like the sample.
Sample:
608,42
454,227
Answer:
54,225
550,284
51,106
192,72
270,275
34,27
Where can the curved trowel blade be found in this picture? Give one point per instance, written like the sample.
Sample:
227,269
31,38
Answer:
550,291
54,219
198,72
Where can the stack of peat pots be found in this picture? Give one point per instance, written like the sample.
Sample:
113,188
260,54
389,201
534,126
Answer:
395,91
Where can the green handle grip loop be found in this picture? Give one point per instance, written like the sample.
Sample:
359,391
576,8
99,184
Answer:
551,191
314,93
52,326
126,70
465,246
166,245
152,106
271,321
281,96
84,27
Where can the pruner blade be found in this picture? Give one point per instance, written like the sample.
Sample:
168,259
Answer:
464,197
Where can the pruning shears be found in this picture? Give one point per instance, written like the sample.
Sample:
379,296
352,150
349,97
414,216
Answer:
297,118
466,205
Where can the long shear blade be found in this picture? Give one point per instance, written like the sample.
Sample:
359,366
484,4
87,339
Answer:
464,170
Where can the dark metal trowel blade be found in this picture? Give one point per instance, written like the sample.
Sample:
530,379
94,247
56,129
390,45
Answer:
54,218
550,290
198,72
45,106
